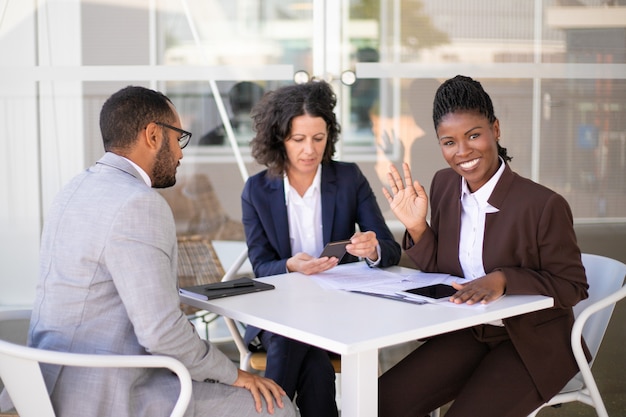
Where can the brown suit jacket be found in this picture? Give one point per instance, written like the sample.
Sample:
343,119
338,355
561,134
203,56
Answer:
532,240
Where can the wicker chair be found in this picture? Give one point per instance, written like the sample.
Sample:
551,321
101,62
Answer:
198,210
198,264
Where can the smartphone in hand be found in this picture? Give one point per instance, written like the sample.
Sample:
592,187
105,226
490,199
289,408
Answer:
336,249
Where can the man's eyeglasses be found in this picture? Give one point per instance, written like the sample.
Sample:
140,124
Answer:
184,138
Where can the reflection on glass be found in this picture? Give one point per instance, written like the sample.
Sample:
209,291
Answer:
242,97
239,32
388,120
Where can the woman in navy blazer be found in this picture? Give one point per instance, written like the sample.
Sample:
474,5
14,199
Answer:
505,235
291,210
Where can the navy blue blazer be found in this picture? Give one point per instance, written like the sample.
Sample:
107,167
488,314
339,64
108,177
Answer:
347,200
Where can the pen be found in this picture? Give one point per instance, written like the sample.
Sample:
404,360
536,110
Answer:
391,297
230,284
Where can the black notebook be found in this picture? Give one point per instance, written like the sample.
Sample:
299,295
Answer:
225,289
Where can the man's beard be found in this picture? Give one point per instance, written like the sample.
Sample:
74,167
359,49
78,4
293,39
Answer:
164,171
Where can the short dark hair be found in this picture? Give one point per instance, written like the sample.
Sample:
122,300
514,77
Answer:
463,94
273,114
128,111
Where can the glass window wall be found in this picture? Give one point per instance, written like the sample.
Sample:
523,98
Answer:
556,73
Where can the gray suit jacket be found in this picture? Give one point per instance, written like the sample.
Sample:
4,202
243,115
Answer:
108,286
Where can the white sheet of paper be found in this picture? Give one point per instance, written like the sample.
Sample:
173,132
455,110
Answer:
355,275
358,276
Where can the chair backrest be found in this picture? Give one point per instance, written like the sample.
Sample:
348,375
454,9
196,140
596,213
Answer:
198,210
21,377
198,264
605,276
23,380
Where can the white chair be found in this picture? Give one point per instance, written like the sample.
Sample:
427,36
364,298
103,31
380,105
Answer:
22,378
605,277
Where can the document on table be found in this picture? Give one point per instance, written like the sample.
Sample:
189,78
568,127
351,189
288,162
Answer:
353,276
359,278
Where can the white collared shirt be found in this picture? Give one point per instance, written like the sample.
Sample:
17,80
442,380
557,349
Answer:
474,209
305,217
144,175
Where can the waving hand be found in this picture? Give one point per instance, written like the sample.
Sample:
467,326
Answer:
408,200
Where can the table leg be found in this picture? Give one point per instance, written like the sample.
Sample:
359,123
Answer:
359,384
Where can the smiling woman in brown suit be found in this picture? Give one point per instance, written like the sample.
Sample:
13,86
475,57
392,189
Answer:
504,234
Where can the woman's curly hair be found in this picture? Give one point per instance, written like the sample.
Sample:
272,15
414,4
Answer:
273,114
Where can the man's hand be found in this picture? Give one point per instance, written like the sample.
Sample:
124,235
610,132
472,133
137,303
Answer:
257,385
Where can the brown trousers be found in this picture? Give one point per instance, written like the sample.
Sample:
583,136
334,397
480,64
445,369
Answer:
478,368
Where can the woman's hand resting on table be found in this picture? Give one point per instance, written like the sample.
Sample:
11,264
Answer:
481,290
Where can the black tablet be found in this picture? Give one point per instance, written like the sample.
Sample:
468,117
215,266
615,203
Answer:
225,289
435,292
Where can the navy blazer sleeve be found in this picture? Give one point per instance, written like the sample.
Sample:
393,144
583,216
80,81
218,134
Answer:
355,204
268,247
347,201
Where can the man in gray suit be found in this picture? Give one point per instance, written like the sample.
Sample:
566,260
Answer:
108,280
